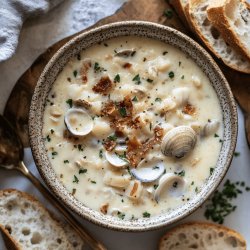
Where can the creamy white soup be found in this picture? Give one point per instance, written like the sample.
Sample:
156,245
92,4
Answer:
132,127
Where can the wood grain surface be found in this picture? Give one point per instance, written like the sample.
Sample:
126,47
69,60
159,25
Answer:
17,107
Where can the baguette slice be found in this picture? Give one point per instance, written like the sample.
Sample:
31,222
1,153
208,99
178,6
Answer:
197,14
179,6
232,19
202,236
26,224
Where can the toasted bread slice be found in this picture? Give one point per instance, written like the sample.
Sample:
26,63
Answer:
202,236
197,14
26,224
179,6
232,19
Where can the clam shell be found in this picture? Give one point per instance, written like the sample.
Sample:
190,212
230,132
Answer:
78,122
148,170
171,184
178,141
211,127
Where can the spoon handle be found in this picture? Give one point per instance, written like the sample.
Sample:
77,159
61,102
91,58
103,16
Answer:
94,244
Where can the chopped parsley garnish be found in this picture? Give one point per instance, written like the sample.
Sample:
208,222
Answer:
211,171
150,80
98,68
137,79
168,13
164,53
150,126
221,202
171,74
192,183
215,135
66,161
80,147
94,182
70,102
52,131
120,215
78,57
54,153
236,154
48,138
175,184
182,77
123,111
156,186
157,99
122,156
100,153
146,215
179,64
135,99
76,180
83,170
221,141
182,173
155,167
112,137
75,73
117,78
196,190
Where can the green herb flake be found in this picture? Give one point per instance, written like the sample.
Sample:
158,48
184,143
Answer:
221,141
168,13
100,153
137,79
135,99
150,80
146,215
117,78
52,131
157,99
54,153
164,53
181,173
215,135
236,154
182,77
70,102
75,73
80,147
83,170
155,167
96,67
192,183
150,126
48,138
179,64
211,171
94,182
76,180
156,186
120,215
123,111
112,137
171,74
66,161
196,190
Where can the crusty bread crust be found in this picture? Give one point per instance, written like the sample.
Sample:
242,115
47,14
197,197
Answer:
190,8
216,15
9,241
202,226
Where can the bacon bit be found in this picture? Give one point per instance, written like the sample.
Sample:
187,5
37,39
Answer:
137,150
109,109
109,145
82,103
127,65
189,109
134,189
104,208
103,86
84,70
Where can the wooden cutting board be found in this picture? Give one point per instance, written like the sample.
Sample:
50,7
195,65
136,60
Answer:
17,107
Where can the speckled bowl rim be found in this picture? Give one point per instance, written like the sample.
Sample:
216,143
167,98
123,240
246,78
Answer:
156,31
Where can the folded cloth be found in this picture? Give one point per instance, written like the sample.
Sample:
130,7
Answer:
12,15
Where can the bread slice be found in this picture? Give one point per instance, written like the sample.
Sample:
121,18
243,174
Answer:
232,19
197,14
26,224
179,6
202,236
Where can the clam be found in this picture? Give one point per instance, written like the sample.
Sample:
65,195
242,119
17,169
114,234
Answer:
78,122
126,53
178,141
181,95
148,170
169,184
117,157
211,127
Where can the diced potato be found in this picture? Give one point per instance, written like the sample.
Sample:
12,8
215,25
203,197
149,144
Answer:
115,180
101,128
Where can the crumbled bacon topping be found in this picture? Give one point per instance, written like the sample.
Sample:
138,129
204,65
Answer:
104,208
109,144
104,86
82,103
127,65
84,70
189,109
137,150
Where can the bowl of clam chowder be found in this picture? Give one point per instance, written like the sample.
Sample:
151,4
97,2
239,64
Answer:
132,125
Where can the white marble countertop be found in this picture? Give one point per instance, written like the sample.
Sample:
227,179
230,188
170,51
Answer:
37,34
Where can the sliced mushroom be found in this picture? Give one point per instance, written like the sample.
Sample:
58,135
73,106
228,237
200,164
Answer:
78,122
178,141
126,53
211,127
134,190
169,184
148,170
115,180
181,95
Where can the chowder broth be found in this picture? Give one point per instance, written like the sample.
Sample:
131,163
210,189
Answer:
132,127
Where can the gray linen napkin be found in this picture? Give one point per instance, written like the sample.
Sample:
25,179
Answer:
12,15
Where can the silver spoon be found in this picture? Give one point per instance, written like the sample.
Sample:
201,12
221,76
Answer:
11,157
